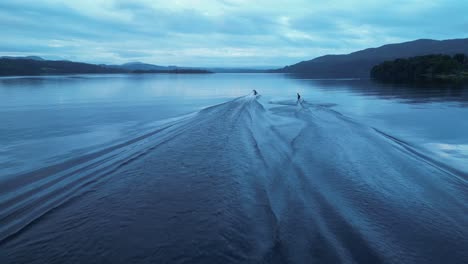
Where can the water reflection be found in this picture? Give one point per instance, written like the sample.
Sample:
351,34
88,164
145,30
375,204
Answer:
45,118
408,93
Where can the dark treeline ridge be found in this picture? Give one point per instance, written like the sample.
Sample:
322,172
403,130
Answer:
11,67
359,64
25,66
435,67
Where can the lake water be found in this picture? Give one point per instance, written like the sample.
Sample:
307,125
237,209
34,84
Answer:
123,168
48,119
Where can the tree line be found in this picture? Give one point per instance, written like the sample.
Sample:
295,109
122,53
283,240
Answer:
21,67
423,68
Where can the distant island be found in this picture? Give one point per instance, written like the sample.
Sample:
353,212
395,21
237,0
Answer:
423,68
33,65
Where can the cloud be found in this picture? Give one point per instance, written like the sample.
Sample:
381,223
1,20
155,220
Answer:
219,33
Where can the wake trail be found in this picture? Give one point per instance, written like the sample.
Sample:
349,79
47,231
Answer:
242,182
26,197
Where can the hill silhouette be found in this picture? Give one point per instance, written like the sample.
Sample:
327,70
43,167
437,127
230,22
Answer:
20,66
359,64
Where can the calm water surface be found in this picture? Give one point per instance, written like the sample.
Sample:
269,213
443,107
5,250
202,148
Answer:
48,119
195,169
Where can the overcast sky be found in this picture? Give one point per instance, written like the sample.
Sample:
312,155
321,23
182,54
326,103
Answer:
219,33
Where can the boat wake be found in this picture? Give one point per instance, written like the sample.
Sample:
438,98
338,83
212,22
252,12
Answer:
238,182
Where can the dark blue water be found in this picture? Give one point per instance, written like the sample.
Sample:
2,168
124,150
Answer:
194,168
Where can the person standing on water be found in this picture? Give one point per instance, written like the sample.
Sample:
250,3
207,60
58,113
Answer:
255,92
298,98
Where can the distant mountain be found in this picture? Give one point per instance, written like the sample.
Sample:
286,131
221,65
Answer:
20,66
358,64
23,58
9,66
140,66
27,66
